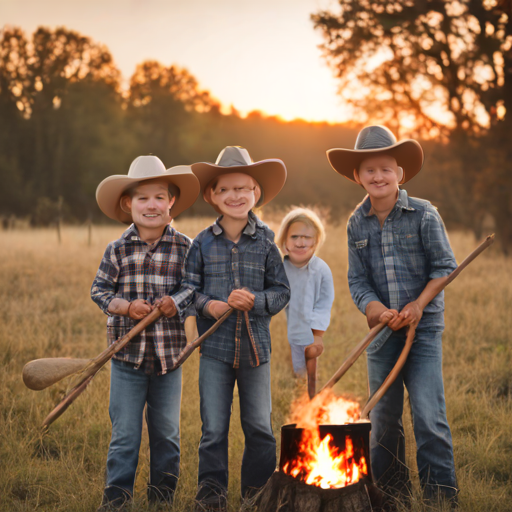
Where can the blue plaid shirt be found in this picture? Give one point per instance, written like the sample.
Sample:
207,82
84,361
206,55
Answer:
215,267
393,264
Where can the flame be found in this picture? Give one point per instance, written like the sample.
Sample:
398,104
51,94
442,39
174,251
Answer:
324,465
324,409
321,463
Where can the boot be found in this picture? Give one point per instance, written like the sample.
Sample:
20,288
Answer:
115,498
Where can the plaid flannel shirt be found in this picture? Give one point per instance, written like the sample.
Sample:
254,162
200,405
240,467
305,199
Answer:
130,269
393,264
215,267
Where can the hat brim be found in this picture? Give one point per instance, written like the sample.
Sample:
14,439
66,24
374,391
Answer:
270,175
408,154
111,189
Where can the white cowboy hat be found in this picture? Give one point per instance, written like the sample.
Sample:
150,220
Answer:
377,139
111,189
270,174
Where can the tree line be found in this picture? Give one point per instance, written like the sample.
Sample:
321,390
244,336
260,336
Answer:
66,123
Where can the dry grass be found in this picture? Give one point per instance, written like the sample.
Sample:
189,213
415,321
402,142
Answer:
46,312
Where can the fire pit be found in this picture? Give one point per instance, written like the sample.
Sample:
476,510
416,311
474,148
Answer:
324,464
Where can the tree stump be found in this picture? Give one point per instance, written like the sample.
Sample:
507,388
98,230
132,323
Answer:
283,493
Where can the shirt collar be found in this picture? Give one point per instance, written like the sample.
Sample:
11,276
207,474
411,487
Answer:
250,227
402,203
132,234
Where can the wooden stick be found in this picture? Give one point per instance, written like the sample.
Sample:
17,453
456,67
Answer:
393,374
187,351
442,283
98,362
354,354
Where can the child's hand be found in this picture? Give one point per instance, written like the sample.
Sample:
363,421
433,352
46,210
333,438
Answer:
138,309
410,315
243,300
377,313
217,308
167,306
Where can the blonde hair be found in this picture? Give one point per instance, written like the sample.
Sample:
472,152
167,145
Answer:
306,216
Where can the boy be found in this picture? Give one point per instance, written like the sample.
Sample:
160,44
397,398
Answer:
234,263
398,246
138,272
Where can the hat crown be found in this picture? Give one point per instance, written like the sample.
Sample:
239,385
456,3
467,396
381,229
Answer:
375,137
145,166
233,156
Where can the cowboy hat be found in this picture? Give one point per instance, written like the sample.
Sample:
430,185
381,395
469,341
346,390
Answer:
143,168
377,139
270,174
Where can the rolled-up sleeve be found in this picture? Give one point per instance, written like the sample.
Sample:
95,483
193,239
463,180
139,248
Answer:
360,288
276,294
103,288
436,244
321,316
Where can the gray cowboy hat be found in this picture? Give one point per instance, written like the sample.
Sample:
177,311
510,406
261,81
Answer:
143,168
374,140
270,174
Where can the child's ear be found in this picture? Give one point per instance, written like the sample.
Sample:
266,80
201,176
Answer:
171,203
401,175
356,177
126,204
257,194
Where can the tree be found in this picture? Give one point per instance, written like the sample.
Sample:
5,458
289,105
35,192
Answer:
435,69
162,100
39,139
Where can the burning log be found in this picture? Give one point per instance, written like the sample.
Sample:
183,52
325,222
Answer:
284,493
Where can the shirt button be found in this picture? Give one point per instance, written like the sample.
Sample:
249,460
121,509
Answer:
235,250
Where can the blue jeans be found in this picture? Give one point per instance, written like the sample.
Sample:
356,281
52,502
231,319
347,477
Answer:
216,384
422,375
130,391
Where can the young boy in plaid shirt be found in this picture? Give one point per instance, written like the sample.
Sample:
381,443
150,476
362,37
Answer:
235,263
140,271
398,248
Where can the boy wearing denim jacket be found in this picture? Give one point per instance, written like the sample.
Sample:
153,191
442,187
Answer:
398,247
235,263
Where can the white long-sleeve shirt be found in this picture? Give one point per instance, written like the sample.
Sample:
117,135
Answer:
312,295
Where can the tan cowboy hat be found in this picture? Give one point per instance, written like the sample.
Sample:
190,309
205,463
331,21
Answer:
377,139
270,174
111,189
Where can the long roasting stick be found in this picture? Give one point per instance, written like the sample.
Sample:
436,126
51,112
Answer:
442,284
98,362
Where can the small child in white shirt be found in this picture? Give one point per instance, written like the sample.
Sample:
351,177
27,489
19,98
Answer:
300,235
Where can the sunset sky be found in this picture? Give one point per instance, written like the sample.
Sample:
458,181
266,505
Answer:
254,55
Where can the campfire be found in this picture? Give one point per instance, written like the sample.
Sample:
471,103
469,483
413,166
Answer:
324,455
324,463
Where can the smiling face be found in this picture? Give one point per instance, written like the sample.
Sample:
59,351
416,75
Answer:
149,205
300,243
379,175
234,195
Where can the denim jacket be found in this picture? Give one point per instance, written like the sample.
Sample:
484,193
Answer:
393,264
215,267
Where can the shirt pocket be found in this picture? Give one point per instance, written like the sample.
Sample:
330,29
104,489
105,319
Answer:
362,248
412,255
217,280
253,269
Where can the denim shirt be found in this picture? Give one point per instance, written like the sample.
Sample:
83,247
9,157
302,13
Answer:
393,264
215,267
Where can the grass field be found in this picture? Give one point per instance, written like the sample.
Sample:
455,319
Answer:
46,311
